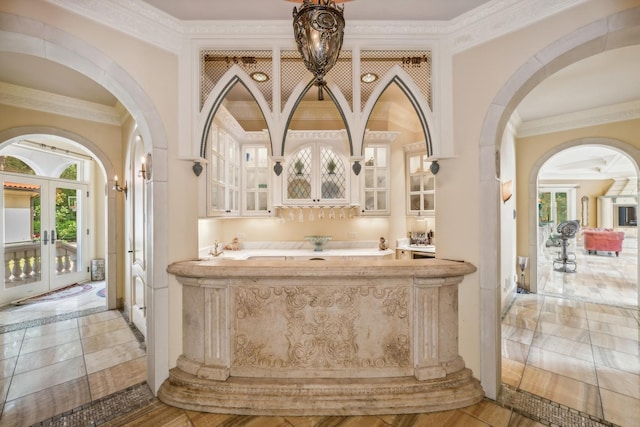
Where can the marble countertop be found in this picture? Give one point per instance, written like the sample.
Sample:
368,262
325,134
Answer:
403,244
332,267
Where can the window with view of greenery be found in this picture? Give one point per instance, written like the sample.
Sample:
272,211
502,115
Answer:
552,207
66,207
15,165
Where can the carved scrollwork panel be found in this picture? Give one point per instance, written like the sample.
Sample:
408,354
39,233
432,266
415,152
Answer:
321,327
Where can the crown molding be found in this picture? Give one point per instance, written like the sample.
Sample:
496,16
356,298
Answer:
132,17
32,99
142,21
501,17
594,117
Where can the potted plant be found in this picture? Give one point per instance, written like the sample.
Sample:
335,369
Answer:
331,166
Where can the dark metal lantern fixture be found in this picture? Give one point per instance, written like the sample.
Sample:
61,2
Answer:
319,30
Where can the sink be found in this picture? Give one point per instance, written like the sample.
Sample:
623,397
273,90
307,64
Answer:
318,241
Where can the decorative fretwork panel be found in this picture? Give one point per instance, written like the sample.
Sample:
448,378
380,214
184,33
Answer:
213,65
332,175
293,72
417,63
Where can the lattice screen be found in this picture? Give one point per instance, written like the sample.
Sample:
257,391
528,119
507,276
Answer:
293,71
416,63
213,65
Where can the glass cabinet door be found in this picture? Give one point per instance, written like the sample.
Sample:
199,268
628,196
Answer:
224,173
376,180
316,175
421,185
255,167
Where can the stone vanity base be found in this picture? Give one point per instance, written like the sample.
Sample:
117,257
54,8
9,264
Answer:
337,337
305,397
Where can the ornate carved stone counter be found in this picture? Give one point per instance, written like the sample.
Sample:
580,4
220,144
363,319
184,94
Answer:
320,338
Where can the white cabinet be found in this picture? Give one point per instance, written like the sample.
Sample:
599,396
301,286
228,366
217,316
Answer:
375,182
223,173
256,179
421,185
316,174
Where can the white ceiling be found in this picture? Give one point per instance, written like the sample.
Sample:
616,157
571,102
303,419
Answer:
603,80
398,10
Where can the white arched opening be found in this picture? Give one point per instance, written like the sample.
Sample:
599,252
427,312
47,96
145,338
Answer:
612,32
26,36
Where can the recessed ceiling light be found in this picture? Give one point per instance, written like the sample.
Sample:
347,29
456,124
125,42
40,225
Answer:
259,76
368,78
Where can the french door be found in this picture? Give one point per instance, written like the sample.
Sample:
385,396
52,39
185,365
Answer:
43,230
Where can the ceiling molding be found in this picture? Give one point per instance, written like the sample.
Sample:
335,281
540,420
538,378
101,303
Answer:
594,117
132,17
144,22
32,99
501,17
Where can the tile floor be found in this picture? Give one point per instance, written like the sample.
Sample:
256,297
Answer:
73,363
577,342
56,366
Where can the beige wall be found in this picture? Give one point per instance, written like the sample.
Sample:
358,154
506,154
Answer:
530,150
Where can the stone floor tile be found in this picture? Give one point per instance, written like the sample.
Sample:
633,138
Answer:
620,409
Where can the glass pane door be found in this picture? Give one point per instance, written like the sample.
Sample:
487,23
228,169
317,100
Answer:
66,235
42,239
23,239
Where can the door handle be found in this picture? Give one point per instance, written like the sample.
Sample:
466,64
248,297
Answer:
45,239
53,236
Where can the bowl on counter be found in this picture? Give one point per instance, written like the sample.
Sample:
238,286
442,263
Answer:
318,241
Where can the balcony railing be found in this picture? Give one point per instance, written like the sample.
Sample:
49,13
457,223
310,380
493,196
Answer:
22,261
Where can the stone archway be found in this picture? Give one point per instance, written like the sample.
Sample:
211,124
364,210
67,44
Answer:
104,163
36,39
617,30
631,152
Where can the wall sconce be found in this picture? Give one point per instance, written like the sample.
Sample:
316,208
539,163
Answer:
118,188
507,190
145,167
143,170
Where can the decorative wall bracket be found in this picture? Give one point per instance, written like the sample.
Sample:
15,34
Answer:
197,168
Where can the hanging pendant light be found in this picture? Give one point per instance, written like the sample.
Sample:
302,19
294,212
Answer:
319,30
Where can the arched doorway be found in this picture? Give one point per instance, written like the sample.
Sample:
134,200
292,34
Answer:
580,178
65,227
76,54
558,56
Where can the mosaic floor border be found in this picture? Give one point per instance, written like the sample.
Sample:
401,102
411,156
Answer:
50,319
105,409
546,411
138,397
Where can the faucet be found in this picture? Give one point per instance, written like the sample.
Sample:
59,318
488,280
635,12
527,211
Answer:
215,251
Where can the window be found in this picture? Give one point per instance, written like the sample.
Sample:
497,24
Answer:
556,205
